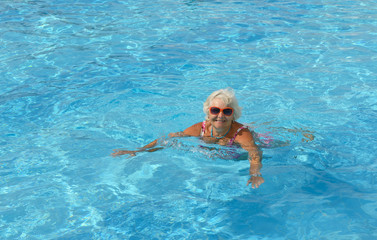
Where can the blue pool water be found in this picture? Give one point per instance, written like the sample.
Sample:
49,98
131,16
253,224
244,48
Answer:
79,78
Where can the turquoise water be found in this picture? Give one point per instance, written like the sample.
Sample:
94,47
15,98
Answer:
80,78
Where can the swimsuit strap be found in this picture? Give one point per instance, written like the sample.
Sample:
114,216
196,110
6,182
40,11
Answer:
235,135
203,128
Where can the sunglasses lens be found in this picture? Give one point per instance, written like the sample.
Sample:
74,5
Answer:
215,110
228,111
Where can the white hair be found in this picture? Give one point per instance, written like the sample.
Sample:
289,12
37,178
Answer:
228,97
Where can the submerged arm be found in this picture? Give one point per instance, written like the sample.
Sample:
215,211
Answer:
151,147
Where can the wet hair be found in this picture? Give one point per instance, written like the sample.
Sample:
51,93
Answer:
228,97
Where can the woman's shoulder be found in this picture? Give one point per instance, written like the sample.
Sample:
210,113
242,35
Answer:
242,129
240,126
194,130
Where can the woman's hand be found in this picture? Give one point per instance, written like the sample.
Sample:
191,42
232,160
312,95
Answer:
123,152
256,178
255,181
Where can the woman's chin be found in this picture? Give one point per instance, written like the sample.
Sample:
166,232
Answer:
220,124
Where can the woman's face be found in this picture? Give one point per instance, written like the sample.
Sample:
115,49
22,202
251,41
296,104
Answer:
220,121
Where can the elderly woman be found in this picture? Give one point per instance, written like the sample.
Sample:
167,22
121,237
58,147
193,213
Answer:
220,127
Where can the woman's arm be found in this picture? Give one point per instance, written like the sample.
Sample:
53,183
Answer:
194,130
147,148
246,140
